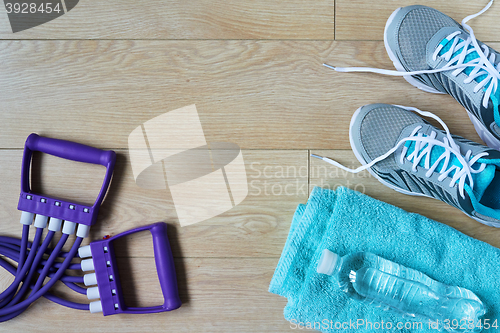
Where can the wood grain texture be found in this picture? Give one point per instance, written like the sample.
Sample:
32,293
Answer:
365,19
254,70
257,94
257,227
199,19
329,176
218,295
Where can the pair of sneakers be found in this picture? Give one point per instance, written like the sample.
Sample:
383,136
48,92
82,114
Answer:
408,154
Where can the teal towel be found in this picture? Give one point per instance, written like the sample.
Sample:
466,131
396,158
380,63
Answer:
346,221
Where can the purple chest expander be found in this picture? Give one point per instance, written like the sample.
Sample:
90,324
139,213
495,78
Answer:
37,261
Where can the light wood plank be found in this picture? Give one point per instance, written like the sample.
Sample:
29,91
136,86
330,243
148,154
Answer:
365,19
257,94
201,19
218,295
255,228
328,176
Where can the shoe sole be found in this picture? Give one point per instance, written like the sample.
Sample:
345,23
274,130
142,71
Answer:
398,189
480,128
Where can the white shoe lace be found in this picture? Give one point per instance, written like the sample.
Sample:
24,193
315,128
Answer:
483,65
423,148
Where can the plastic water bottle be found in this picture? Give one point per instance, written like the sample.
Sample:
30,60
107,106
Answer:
367,277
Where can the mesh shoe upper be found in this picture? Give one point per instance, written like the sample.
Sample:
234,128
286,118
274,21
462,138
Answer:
375,141
415,31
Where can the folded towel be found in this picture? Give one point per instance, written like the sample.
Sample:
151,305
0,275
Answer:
346,221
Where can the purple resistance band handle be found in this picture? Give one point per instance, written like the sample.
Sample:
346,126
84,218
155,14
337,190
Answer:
165,267
54,207
69,150
103,256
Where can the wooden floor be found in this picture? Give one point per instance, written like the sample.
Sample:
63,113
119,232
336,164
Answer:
253,69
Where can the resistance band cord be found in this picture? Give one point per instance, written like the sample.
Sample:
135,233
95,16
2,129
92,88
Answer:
33,259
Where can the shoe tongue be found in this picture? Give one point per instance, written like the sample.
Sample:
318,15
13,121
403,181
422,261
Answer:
481,180
447,44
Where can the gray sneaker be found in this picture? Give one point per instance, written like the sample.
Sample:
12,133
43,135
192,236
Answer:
408,154
436,54
422,38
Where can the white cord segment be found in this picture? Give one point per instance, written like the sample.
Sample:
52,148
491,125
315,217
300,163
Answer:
95,307
88,265
27,218
90,279
69,228
55,224
93,293
84,252
82,231
41,221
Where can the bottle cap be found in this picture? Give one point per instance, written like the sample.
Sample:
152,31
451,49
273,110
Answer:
327,262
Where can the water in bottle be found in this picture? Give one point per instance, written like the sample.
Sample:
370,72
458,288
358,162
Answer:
367,277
